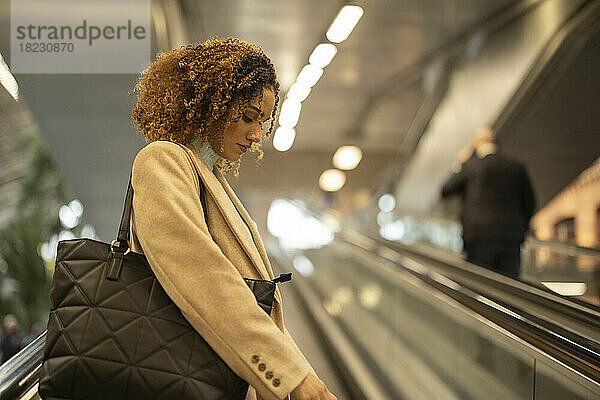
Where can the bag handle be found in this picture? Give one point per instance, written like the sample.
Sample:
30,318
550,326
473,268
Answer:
123,235
121,245
117,253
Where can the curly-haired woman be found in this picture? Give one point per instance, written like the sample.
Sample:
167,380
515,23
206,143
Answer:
213,98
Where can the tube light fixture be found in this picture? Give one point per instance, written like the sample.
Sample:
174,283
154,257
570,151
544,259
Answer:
290,112
332,180
344,23
298,92
387,202
8,80
347,157
322,55
284,138
67,217
303,265
309,75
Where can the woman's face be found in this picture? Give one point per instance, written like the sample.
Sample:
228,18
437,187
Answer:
240,135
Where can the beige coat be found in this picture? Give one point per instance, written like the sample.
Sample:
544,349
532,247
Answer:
201,268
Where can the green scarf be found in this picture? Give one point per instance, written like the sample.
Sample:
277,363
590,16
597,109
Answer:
206,151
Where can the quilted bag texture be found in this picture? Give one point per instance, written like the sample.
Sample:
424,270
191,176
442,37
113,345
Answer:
113,333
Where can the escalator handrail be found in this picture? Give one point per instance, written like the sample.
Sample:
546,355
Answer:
579,353
21,372
564,247
584,312
576,351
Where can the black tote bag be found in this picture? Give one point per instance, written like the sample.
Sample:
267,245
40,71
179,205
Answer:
113,333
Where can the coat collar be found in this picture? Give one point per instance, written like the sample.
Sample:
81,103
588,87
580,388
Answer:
228,202
238,204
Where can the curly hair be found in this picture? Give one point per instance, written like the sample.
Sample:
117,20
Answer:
201,90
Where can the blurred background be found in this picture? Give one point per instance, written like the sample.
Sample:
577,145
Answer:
348,195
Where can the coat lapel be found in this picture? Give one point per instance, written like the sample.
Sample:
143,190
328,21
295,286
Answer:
225,202
240,207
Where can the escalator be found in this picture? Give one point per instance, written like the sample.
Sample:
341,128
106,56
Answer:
402,324
427,329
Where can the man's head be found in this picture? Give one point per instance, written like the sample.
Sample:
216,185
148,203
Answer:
484,135
484,142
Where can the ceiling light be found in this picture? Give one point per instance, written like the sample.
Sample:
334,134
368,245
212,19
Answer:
47,253
343,295
88,231
309,75
370,295
332,180
567,288
8,80
347,157
290,112
76,207
298,92
322,55
295,228
67,217
334,309
65,235
303,265
395,231
384,217
284,138
332,222
344,23
387,202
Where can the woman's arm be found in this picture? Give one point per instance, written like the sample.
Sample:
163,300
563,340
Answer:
287,333
200,280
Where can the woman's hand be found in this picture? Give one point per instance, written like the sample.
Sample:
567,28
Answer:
312,388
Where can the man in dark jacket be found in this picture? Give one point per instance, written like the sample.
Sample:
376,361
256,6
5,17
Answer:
497,203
